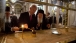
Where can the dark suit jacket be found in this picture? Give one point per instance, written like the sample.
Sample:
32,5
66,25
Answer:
52,20
14,21
25,19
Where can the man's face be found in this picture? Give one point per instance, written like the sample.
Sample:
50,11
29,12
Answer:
33,9
40,15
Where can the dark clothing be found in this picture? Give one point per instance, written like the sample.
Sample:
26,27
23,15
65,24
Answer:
7,27
14,21
48,20
74,41
52,20
43,24
25,19
60,19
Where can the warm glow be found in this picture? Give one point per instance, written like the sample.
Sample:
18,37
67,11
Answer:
26,26
57,42
22,26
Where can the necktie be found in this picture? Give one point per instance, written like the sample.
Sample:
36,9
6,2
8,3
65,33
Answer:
30,17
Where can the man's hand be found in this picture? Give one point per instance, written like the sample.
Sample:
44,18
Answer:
26,26
14,29
48,26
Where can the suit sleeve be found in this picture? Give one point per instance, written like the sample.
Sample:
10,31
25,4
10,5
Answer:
21,19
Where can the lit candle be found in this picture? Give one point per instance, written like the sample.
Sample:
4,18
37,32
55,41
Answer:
22,26
66,29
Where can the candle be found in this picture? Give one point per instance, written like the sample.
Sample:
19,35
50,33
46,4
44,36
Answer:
22,26
26,26
66,28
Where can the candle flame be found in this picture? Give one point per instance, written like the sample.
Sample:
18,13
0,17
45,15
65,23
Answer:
22,26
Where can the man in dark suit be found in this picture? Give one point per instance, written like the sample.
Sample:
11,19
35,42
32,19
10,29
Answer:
14,21
53,20
28,18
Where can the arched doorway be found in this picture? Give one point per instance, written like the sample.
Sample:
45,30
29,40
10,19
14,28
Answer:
18,8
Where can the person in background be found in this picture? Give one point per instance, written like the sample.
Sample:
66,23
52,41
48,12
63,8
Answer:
53,21
60,18
14,20
7,14
48,20
28,19
7,20
40,20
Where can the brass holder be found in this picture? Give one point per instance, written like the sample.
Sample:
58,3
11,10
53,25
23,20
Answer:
22,26
66,29
34,35
33,32
22,33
